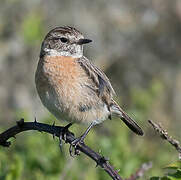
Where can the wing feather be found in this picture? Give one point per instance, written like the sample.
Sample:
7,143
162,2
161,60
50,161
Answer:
104,90
104,87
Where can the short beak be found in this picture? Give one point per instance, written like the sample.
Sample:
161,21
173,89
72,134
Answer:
83,41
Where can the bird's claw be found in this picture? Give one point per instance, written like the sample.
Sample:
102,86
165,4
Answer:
77,142
63,135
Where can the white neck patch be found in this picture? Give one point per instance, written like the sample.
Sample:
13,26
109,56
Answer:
53,52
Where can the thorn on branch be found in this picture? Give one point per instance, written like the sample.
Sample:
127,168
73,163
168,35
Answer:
20,123
101,161
53,135
5,143
35,121
53,124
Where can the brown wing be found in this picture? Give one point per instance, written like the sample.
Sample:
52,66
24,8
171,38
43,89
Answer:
104,88
105,91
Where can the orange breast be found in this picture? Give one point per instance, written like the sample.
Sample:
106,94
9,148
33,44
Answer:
62,68
66,76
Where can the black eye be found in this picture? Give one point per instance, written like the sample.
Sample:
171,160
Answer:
63,39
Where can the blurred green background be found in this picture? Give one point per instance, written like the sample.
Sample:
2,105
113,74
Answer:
137,44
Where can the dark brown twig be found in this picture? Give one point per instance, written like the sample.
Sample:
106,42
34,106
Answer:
164,134
140,172
56,131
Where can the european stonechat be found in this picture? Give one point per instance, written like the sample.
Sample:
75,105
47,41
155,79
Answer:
71,87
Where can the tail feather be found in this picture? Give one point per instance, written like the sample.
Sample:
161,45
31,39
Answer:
115,109
132,124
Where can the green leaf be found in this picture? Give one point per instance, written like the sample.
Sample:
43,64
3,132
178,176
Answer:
176,175
175,165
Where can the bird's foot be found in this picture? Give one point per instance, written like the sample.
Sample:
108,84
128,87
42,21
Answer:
77,142
63,135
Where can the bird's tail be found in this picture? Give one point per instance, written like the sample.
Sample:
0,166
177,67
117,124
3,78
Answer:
116,110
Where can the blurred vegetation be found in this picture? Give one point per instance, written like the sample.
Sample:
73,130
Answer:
137,44
173,172
35,34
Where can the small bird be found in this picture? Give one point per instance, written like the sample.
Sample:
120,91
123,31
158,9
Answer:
71,87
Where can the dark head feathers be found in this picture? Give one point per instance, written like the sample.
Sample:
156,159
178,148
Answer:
64,30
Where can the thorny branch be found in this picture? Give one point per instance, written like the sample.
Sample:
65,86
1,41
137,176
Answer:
57,131
164,134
